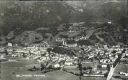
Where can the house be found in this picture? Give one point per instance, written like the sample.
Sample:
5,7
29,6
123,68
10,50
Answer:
56,65
104,65
68,63
71,45
2,56
9,50
9,44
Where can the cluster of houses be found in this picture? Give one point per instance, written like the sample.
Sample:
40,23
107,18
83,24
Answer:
39,53
102,56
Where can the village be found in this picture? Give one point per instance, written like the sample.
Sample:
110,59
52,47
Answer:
70,54
64,40
96,60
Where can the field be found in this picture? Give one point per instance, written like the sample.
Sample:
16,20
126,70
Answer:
11,69
0,71
121,68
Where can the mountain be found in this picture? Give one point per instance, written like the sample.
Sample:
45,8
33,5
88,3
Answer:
21,22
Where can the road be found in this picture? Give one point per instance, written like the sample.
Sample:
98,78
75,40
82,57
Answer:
110,74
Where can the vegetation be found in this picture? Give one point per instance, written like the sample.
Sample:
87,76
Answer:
18,17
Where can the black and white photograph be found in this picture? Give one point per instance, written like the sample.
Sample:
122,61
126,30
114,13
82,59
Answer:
64,40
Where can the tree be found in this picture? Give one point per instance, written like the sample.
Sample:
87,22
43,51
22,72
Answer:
80,67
